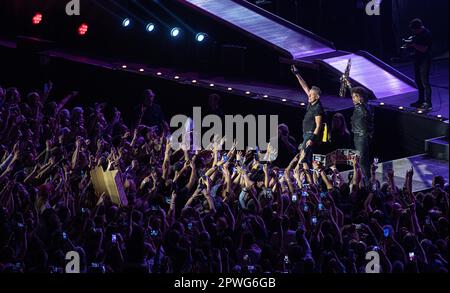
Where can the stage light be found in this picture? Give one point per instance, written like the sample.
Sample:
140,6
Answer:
211,85
230,89
177,77
83,29
382,104
284,100
302,104
401,108
175,32
420,111
141,70
194,81
247,93
439,116
200,37
159,73
150,27
126,22
124,66
37,18
265,96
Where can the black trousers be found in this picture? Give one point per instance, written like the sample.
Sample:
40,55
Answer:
362,144
422,75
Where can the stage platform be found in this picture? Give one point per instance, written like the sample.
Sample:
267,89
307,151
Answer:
425,169
292,96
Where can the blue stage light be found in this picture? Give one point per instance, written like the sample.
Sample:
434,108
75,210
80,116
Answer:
175,32
200,37
150,27
126,22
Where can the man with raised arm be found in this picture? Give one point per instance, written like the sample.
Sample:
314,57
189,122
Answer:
312,122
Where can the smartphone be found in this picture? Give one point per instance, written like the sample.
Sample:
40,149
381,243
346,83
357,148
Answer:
374,187
20,225
64,235
280,174
306,208
376,248
154,233
294,198
321,207
386,232
427,220
314,220
412,256
286,259
189,226
225,158
113,238
251,269
246,257
305,194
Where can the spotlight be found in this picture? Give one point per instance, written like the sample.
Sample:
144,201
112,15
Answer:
141,70
37,18
265,96
401,108
175,32
284,100
247,93
124,66
230,89
212,85
439,116
302,104
126,22
83,29
200,37
177,77
382,104
159,73
150,27
420,112
194,81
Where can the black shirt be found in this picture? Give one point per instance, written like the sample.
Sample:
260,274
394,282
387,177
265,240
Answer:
153,116
362,120
309,122
424,39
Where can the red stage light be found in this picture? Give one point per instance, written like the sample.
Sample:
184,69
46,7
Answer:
37,18
82,30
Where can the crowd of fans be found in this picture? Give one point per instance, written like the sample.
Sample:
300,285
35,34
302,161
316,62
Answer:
204,211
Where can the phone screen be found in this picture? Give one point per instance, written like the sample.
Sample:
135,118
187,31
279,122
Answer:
386,232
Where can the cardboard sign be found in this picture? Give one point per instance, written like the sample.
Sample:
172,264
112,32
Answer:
110,184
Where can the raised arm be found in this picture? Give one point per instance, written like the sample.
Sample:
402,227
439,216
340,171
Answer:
300,79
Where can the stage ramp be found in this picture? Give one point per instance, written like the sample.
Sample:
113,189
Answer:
296,45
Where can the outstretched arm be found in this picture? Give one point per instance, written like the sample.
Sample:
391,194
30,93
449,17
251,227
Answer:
300,79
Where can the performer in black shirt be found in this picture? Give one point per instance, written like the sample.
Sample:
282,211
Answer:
152,115
421,44
362,128
312,123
